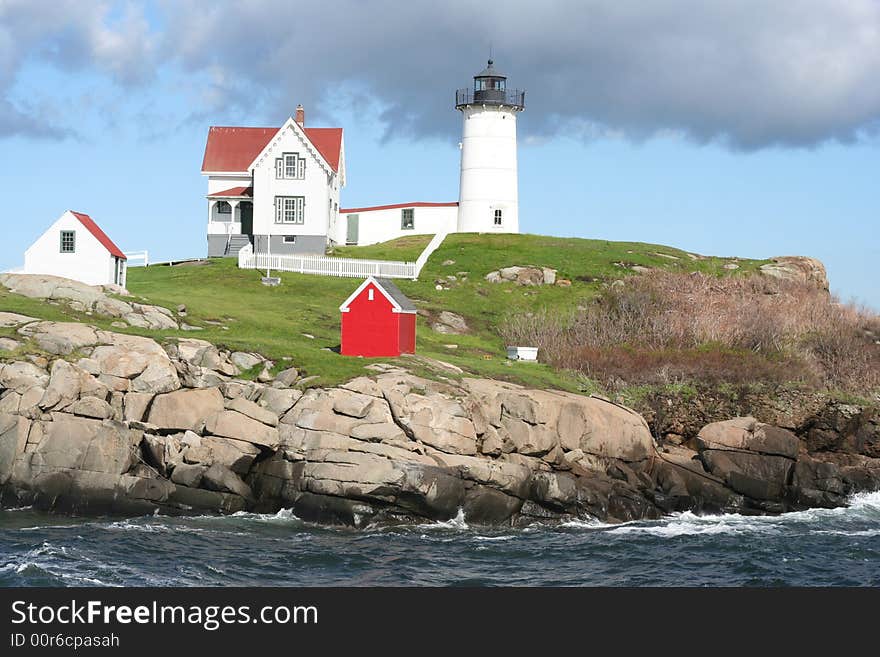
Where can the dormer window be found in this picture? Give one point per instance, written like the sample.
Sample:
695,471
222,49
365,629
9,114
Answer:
290,166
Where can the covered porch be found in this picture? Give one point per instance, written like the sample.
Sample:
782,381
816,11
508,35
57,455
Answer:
230,221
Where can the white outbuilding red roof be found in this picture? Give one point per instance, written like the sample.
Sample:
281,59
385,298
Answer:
99,234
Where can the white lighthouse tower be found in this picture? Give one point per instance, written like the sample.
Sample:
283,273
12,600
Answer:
488,200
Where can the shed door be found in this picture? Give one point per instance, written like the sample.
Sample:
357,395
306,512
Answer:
351,236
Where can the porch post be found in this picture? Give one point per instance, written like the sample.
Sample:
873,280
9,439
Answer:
211,204
233,205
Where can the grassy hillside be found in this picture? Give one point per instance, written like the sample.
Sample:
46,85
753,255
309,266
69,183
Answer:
236,311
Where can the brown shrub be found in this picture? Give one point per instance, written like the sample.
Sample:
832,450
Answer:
668,326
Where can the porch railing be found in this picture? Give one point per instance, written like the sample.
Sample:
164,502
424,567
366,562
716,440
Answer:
137,258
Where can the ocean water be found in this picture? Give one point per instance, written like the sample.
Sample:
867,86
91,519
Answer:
817,547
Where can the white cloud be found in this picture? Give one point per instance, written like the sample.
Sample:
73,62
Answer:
751,74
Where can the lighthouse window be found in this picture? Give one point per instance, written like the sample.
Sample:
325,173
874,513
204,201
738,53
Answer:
407,219
497,217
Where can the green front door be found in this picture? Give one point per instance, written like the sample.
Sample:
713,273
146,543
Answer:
352,234
247,217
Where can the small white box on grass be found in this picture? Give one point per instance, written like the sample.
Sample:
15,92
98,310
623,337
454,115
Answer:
522,353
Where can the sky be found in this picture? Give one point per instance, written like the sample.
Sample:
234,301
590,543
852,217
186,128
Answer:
746,127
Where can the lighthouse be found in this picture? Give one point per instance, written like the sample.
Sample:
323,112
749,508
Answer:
488,199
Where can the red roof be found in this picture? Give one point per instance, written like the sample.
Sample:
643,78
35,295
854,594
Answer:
99,234
417,204
234,192
233,149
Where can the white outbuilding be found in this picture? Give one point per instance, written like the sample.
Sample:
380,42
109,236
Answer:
75,247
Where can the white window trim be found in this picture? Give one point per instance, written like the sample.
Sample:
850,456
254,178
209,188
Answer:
412,225
290,210
72,234
290,166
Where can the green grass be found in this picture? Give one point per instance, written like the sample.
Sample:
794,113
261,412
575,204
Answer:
239,313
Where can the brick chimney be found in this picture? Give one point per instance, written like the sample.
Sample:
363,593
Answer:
300,115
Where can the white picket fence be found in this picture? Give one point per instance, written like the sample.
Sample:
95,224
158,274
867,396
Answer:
326,265
137,258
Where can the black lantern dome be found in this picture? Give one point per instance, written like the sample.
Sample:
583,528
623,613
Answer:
490,88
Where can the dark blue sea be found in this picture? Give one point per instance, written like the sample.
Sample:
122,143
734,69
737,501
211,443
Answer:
818,547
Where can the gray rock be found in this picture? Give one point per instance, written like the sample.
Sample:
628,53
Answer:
65,385
198,455
224,480
231,424
60,338
20,376
157,378
136,405
185,409
253,411
236,455
14,319
450,323
353,404
245,361
13,438
8,344
746,433
120,362
92,407
186,474
287,377
278,400
10,402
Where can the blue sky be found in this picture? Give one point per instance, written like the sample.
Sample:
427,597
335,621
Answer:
709,129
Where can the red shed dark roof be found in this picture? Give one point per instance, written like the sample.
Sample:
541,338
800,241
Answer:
99,234
233,149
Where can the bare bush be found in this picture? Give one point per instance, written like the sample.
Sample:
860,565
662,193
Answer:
707,328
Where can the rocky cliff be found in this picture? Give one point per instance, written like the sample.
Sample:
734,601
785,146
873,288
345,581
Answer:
103,422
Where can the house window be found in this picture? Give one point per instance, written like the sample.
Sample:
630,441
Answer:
497,217
291,166
223,207
290,209
68,241
290,239
370,294
407,219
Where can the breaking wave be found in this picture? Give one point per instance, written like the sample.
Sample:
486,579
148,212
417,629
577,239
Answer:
815,547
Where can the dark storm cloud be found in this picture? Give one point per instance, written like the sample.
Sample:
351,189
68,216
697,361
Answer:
749,74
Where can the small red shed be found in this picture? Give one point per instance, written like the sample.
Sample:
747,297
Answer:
378,320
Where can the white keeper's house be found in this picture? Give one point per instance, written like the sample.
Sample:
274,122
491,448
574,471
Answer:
278,189
75,247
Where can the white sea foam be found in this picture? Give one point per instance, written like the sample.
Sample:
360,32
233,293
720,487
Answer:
590,523
458,522
282,515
